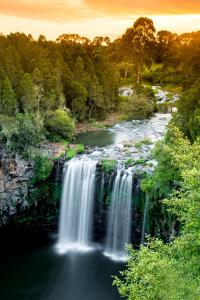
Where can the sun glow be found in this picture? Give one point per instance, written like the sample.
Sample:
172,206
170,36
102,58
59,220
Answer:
92,18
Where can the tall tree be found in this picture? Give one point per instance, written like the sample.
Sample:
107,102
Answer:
96,99
138,43
27,94
7,98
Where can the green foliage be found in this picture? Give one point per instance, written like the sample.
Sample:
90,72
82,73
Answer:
153,273
145,141
129,162
59,123
27,94
72,152
137,42
7,97
170,271
188,117
108,165
22,132
43,205
41,76
132,162
138,106
80,149
165,177
43,168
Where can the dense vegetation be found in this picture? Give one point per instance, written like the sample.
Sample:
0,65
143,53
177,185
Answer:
46,86
167,266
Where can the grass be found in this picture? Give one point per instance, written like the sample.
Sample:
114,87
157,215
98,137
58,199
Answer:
131,162
145,141
72,152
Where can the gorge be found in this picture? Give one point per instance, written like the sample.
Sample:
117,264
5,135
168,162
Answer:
95,215
102,209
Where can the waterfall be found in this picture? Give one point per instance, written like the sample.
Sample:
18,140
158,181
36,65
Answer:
119,217
145,219
75,224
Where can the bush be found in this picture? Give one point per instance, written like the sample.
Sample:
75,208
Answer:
108,165
139,106
145,141
78,149
60,124
22,133
71,153
43,168
129,162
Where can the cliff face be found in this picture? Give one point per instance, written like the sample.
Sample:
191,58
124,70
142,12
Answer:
18,196
15,182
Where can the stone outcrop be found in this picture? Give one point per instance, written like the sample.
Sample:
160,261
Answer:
15,182
16,176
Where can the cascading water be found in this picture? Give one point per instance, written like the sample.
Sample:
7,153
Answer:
145,220
119,217
77,205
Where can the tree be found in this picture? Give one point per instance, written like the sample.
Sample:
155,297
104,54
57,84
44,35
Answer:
171,271
79,71
188,117
96,99
27,94
39,89
7,98
78,103
51,83
138,42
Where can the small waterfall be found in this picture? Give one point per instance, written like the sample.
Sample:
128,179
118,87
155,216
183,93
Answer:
145,220
77,205
119,217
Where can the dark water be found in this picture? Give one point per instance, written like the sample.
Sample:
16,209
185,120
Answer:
30,269
100,138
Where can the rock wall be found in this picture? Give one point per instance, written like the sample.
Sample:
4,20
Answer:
16,176
15,182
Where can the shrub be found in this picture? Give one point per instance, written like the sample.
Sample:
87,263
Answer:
139,106
59,123
108,165
145,141
129,162
78,149
22,133
43,168
71,153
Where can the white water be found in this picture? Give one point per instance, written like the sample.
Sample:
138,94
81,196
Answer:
119,217
77,206
145,220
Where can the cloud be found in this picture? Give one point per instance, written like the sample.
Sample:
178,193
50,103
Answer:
66,11
145,7
52,10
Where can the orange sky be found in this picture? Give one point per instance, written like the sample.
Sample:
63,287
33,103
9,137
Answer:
95,17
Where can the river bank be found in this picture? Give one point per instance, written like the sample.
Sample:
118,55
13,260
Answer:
110,120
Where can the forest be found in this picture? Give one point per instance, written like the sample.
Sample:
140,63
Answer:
48,88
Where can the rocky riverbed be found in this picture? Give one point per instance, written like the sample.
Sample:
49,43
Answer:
131,142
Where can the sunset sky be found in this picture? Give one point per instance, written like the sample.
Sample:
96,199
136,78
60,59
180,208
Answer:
95,17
